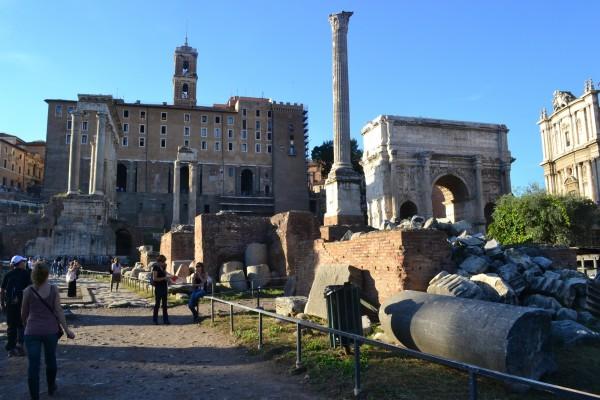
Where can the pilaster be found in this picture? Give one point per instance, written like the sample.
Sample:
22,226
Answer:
176,193
74,160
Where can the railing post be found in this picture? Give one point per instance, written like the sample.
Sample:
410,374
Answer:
356,368
252,288
472,386
231,318
258,297
298,346
260,331
212,310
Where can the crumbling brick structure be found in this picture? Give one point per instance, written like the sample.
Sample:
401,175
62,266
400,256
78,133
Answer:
391,261
177,246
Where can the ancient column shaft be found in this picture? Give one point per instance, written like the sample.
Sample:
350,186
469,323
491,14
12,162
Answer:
341,93
193,193
99,154
92,182
73,179
176,193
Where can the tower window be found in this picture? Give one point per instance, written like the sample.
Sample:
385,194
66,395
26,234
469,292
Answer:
163,143
163,116
184,91
186,67
125,113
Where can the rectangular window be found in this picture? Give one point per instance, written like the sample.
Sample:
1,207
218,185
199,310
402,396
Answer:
204,119
230,133
58,111
269,148
257,148
230,120
204,145
269,125
142,114
163,116
84,139
69,124
244,124
217,132
186,131
231,171
142,142
163,143
163,129
244,112
70,109
230,146
270,114
257,125
186,143
186,117
142,129
217,119
124,141
269,136
244,135
125,128
244,147
258,113
257,135
204,132
67,141
217,146
125,113
84,126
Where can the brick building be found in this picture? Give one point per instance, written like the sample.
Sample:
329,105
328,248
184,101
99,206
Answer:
21,164
247,155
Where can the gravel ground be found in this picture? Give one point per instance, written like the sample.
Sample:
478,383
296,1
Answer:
120,354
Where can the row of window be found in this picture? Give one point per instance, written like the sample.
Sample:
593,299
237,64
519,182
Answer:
203,118
203,132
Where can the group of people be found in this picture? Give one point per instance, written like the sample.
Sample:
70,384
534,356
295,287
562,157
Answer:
35,319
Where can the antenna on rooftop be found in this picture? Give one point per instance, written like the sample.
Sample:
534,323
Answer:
186,33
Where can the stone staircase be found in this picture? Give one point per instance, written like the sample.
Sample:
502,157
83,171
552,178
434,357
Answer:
248,205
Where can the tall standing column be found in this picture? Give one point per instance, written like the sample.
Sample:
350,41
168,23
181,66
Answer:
91,181
343,183
99,154
341,93
193,185
73,179
176,193
591,181
479,216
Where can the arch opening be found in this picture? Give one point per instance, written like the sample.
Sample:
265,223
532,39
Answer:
184,91
121,178
408,209
123,242
247,182
449,198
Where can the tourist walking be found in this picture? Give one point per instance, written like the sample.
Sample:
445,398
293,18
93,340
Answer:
71,278
200,282
160,282
115,270
44,324
11,299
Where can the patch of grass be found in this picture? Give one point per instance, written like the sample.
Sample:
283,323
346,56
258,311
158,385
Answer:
232,295
387,375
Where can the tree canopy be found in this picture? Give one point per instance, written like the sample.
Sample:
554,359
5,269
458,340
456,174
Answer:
538,217
324,153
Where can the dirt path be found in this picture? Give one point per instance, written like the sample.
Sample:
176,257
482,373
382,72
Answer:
120,354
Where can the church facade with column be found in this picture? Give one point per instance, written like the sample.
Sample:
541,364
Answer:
162,164
570,147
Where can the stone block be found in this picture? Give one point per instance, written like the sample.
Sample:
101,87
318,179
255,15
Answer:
235,280
290,305
258,275
454,285
566,313
541,301
231,266
256,254
502,290
543,262
329,274
569,333
474,265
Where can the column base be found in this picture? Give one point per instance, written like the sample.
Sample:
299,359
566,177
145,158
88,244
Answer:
342,190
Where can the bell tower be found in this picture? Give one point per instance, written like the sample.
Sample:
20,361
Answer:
185,77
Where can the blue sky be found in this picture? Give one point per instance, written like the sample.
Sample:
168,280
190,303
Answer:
493,62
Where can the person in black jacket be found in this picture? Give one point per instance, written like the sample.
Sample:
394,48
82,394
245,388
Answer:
160,282
11,298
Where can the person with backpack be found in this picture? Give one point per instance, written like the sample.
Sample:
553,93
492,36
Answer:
11,298
45,323
160,280
115,277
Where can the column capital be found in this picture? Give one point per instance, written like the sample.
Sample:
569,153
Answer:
477,161
339,21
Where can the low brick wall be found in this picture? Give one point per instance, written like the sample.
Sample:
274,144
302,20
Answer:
391,261
177,246
221,238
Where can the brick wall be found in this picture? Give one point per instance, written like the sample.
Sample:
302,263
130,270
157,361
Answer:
221,238
177,246
391,261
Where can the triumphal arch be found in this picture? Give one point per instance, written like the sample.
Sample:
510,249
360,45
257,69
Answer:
431,167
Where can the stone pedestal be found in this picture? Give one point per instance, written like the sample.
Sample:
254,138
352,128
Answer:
343,198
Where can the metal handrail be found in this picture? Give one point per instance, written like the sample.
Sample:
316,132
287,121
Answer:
472,370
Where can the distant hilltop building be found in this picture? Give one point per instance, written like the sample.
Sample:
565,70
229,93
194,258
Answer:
159,165
570,143
21,164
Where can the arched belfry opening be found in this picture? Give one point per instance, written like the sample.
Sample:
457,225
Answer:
408,209
185,91
247,183
121,178
450,198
